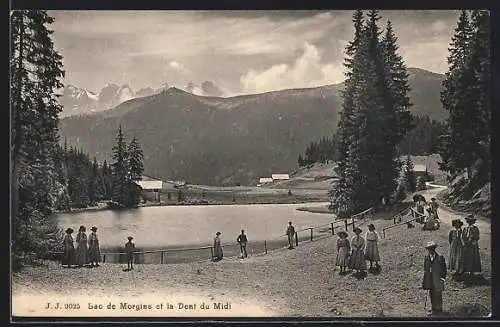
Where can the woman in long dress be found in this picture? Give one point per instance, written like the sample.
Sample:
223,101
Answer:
455,239
470,251
69,249
217,247
357,261
94,250
81,247
372,253
343,249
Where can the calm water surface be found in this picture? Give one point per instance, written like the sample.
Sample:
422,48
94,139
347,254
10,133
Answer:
192,225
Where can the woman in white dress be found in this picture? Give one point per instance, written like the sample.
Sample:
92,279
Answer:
357,261
343,249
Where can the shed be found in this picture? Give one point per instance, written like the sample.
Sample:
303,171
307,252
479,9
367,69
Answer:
280,177
263,180
151,188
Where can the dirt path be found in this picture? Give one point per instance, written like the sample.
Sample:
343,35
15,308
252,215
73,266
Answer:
446,215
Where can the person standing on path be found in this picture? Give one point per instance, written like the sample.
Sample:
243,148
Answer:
290,232
470,252
94,250
357,261
434,208
455,240
372,253
129,250
343,249
69,249
242,240
81,247
218,255
434,277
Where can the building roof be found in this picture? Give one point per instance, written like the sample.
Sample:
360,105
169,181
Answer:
150,185
419,167
280,176
265,180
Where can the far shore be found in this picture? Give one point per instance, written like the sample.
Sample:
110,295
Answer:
197,202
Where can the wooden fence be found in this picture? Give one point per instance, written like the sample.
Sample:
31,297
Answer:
203,253
410,211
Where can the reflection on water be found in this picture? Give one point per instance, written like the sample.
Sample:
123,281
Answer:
154,227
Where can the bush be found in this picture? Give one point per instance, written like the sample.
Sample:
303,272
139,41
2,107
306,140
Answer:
400,193
421,184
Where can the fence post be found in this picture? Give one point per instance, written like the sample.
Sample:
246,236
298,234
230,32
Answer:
103,258
161,257
311,233
394,219
383,232
345,222
265,246
353,226
212,253
333,233
296,239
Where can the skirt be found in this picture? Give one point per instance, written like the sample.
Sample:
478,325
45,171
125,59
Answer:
82,257
357,260
456,260
94,253
69,256
342,259
372,253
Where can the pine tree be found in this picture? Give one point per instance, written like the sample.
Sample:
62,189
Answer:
120,169
346,127
135,168
36,72
455,98
409,176
135,159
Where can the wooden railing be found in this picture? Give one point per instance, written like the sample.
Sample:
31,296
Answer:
321,232
410,211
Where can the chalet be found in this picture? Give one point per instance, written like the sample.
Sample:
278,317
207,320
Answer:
420,170
151,188
280,177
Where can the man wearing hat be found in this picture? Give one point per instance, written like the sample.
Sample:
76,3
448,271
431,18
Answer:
470,239
434,276
129,250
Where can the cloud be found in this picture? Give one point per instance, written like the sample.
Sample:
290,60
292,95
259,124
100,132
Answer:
306,71
178,66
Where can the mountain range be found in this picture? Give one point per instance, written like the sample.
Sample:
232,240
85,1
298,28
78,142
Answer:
228,141
80,101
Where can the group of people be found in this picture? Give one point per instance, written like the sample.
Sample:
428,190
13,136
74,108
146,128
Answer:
218,253
464,259
353,254
87,251
428,212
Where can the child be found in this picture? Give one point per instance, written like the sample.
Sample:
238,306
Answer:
129,250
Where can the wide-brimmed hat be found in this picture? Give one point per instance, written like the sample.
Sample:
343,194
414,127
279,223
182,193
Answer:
371,226
433,199
69,230
470,218
93,228
218,233
357,229
82,228
342,234
430,245
459,222
130,238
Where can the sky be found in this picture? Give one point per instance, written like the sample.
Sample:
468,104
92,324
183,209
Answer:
240,52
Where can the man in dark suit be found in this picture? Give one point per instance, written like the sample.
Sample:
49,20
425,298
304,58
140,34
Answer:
242,240
434,277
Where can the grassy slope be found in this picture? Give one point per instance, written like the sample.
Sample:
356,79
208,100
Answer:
301,282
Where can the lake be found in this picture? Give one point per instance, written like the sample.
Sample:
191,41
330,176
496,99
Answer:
157,227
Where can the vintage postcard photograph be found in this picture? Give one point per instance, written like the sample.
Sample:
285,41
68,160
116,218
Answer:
227,164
